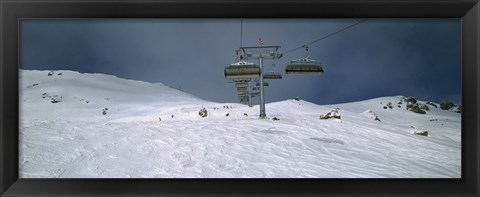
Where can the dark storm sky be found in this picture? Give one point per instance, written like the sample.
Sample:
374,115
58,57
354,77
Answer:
379,57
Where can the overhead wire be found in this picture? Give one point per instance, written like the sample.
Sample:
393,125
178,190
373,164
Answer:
303,46
241,32
241,40
324,37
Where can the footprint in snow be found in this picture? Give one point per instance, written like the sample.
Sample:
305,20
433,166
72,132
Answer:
270,132
328,140
183,159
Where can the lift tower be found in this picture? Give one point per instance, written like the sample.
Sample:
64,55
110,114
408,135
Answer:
260,53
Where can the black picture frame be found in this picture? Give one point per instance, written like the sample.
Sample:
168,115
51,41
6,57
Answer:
13,10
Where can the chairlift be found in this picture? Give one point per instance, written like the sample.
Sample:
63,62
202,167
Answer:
264,84
304,66
241,89
241,85
243,96
241,70
272,75
245,80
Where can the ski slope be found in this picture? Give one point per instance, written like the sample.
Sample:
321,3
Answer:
65,134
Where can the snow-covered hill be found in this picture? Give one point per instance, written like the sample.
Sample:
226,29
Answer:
97,126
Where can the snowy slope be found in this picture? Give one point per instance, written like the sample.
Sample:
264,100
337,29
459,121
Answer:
84,96
72,138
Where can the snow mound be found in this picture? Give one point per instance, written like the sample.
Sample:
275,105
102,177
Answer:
371,114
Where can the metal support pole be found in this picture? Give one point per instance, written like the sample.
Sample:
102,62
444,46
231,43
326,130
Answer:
261,52
262,99
249,94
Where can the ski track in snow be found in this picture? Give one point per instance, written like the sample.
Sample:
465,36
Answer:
73,139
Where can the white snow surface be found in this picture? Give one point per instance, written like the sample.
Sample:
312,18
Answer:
73,139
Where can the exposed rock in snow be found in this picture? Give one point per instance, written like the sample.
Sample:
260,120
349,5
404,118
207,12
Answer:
202,112
389,105
451,107
104,111
431,104
332,114
419,132
372,115
416,108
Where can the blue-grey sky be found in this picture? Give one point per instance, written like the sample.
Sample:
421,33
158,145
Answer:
379,57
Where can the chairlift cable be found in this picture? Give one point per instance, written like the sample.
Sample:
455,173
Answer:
241,32
306,49
275,65
324,37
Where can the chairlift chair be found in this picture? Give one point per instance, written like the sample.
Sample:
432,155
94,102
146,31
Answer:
272,75
264,84
245,80
304,66
243,96
241,70
241,89
241,85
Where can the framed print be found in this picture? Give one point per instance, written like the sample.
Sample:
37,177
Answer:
232,98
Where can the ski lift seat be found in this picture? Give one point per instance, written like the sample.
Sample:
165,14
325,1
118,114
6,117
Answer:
242,69
304,66
264,84
245,80
241,85
272,75
241,89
